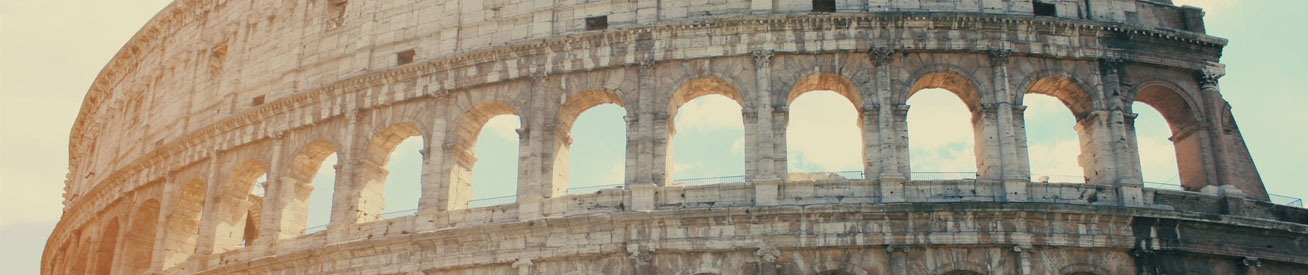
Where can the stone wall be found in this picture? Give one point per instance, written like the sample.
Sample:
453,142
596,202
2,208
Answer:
210,95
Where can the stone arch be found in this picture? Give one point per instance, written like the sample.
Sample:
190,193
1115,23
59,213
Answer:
80,259
235,204
697,88
963,86
947,77
1072,92
572,108
139,239
183,226
304,166
1183,117
106,247
960,268
374,173
463,149
824,82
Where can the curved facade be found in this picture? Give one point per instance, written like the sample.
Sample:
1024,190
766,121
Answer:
211,96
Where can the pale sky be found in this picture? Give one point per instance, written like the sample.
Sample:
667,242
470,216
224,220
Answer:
50,51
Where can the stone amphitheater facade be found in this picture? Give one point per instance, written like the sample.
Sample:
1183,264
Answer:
210,94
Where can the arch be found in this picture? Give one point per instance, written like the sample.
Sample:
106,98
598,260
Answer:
139,239
572,109
1183,119
381,149
235,205
826,82
1167,98
960,268
580,102
835,272
948,78
104,251
463,149
697,88
304,168
1068,90
183,226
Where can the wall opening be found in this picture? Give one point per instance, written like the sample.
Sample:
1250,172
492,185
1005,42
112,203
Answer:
595,156
258,100
403,187
336,13
404,57
937,147
104,252
495,173
707,139
1053,144
1158,158
597,23
317,207
824,5
1044,9
823,134
242,195
139,241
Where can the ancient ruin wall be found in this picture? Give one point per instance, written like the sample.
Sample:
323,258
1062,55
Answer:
210,94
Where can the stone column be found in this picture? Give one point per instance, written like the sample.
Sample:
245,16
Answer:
345,197
764,135
1108,151
204,243
662,152
1016,168
640,128
1234,167
167,205
274,197
898,259
890,128
436,165
538,142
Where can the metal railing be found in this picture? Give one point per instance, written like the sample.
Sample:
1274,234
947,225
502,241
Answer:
854,175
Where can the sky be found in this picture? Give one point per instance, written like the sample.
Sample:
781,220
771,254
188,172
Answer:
50,51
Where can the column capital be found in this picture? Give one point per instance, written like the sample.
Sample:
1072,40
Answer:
881,55
1111,62
999,56
523,133
646,65
630,118
762,58
1209,75
539,76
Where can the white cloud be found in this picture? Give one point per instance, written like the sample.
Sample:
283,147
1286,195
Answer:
710,112
503,126
823,134
940,133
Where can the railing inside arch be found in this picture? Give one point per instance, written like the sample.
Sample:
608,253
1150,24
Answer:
849,175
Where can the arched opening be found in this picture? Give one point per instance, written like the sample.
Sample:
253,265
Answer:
242,197
942,104
824,131
314,172
183,223
592,128
487,132
104,252
1158,158
78,260
1187,145
706,132
139,241
1054,152
393,181
962,272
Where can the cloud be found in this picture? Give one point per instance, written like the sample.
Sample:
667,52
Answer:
738,145
1206,4
940,133
712,112
503,127
823,134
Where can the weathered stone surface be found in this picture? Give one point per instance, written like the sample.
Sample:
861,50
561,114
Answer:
212,94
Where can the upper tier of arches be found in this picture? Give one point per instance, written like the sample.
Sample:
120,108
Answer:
215,209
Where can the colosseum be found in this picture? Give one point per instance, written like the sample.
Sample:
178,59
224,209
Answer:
213,98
